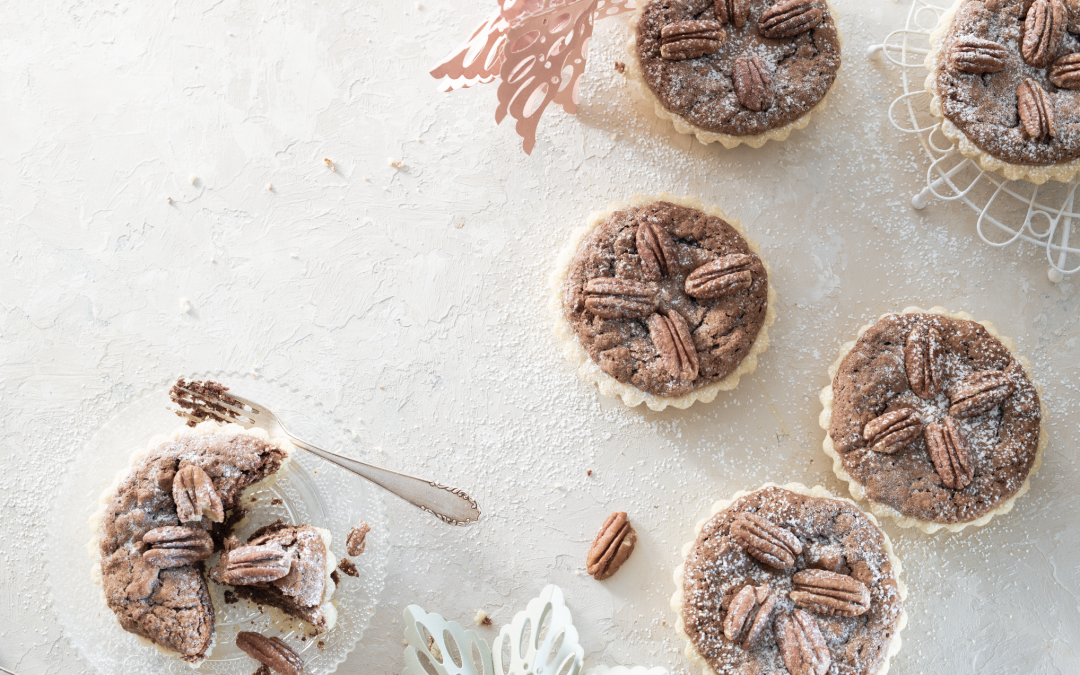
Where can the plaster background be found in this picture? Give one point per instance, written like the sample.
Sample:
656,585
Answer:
410,302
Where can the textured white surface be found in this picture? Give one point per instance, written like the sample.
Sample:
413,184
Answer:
412,305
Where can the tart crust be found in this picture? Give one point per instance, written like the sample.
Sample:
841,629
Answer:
691,652
885,511
591,372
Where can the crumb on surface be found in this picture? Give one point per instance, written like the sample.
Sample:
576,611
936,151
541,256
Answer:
481,618
589,472
230,598
348,567
330,164
275,501
620,67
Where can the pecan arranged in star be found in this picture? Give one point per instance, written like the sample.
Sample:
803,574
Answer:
949,452
195,495
830,593
612,298
655,247
802,646
976,55
726,275
176,546
1044,28
256,564
753,83
923,361
1037,119
734,12
612,546
978,393
893,431
671,337
271,652
768,543
1065,73
690,39
788,18
750,609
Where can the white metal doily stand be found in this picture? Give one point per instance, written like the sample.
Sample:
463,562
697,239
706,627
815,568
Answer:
1007,209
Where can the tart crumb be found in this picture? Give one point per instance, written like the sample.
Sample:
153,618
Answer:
620,67
348,567
481,618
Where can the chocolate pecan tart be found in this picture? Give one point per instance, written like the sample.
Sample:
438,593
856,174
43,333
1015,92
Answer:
933,419
1005,81
735,71
663,301
790,580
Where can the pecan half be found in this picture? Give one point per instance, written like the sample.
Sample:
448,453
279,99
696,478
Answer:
671,337
195,496
734,12
1043,30
978,393
690,39
923,361
768,543
753,83
750,609
976,55
802,646
1065,73
949,452
830,593
357,540
1037,119
788,18
611,298
726,275
271,652
256,564
893,431
612,546
659,257
175,546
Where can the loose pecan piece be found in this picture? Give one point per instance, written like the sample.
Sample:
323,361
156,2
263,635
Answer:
768,543
357,540
726,275
750,609
271,652
976,55
788,18
978,393
893,431
802,646
753,83
923,354
734,12
175,546
612,546
690,39
949,452
611,298
256,564
1037,119
1043,30
671,337
1065,73
830,593
659,257
195,495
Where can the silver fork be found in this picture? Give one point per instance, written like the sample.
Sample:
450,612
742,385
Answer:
449,504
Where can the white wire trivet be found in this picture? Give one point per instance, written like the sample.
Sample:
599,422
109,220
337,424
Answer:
1007,209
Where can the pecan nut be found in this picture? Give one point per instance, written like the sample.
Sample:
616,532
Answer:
659,257
671,337
612,298
1037,119
801,644
726,275
978,393
768,543
827,592
1044,28
248,565
734,12
753,83
788,18
357,540
195,496
949,452
612,546
273,652
1065,73
690,39
976,55
176,545
893,431
923,361
750,609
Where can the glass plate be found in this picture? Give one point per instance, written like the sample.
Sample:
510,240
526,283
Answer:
311,492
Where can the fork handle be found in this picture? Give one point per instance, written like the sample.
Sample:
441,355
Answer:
449,504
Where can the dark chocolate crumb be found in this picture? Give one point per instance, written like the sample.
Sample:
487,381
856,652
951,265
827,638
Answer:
348,567
275,501
620,67
335,577
230,598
